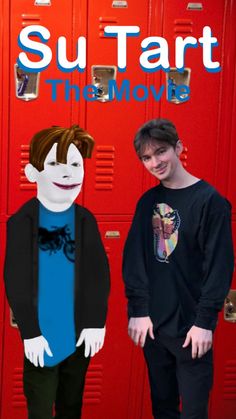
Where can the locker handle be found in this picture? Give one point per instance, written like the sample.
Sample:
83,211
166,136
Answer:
101,75
12,319
230,307
174,79
27,84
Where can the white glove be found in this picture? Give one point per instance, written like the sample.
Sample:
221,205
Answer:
93,339
34,350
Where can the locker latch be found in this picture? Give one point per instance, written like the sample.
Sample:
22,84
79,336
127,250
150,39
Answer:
27,84
195,6
101,74
42,3
230,307
112,234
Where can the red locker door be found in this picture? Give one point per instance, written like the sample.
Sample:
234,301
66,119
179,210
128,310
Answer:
224,394
104,379
113,185
116,384
206,128
26,118
2,250
3,190
223,399
196,119
114,178
107,391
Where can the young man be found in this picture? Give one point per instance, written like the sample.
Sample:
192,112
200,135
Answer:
178,265
57,275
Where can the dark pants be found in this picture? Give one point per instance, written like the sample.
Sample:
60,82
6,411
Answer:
174,374
62,385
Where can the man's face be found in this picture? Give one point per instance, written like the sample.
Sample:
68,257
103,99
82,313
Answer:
161,159
58,182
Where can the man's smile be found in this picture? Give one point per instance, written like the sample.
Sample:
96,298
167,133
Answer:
63,186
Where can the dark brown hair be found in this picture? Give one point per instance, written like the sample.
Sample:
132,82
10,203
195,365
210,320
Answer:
155,130
43,141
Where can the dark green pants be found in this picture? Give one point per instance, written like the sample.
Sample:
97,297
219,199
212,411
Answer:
62,385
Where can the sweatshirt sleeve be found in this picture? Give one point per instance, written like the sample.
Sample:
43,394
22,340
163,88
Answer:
134,270
94,286
217,246
18,275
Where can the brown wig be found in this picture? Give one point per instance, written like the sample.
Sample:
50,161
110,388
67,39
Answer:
43,141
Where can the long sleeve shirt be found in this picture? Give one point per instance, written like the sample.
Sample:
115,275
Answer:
178,257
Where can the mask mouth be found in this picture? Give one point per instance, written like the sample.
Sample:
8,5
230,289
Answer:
66,187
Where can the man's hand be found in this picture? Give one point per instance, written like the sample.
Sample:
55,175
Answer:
138,328
34,350
201,340
93,340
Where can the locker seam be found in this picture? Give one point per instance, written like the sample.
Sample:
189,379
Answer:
220,107
226,131
162,33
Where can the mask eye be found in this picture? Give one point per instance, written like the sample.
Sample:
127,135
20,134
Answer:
53,163
75,164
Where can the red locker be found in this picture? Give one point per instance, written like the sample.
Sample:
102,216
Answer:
3,195
2,235
28,117
104,380
207,128
224,394
114,123
115,359
117,384
196,119
25,118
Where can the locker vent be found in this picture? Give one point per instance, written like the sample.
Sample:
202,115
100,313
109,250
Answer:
24,159
106,21
93,384
18,398
105,156
92,390
229,389
30,19
183,27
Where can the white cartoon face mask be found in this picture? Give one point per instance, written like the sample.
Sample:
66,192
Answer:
58,184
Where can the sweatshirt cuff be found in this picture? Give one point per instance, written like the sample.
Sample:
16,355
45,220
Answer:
206,319
138,310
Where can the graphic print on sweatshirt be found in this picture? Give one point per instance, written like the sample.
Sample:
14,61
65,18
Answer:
57,239
56,243
165,223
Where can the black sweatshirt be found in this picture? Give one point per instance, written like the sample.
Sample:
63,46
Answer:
178,257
